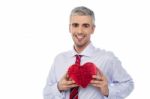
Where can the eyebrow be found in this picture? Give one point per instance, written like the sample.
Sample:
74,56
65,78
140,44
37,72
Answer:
86,24
75,23
82,24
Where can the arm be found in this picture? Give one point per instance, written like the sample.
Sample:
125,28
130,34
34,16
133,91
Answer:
117,84
55,88
120,84
51,90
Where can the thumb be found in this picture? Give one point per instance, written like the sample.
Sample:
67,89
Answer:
99,72
66,76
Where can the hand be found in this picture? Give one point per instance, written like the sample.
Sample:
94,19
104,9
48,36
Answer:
66,83
100,81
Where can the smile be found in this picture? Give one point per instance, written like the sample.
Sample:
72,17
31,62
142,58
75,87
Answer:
80,37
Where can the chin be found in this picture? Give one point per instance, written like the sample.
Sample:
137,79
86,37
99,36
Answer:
80,45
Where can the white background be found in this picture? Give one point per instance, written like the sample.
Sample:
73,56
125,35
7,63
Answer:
33,32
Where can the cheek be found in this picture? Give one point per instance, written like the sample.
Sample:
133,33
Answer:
72,31
73,35
88,36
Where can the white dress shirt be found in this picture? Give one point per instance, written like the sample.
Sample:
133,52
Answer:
120,82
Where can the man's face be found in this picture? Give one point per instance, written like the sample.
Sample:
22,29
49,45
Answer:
81,28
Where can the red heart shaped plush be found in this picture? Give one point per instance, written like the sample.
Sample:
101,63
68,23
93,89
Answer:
82,75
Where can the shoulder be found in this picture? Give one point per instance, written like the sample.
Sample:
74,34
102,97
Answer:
63,55
108,58
106,54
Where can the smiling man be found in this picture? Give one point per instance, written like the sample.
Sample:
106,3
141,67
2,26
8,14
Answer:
111,80
81,27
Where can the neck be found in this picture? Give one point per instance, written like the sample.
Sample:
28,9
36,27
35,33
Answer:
79,49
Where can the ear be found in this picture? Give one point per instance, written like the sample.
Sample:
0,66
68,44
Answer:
93,29
70,28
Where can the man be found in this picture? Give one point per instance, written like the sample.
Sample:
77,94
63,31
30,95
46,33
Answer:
111,80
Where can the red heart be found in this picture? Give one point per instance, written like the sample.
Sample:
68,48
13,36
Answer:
82,75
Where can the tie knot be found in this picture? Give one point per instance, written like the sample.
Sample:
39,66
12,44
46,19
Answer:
79,56
78,59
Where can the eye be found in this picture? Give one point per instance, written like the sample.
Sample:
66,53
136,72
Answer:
75,25
86,25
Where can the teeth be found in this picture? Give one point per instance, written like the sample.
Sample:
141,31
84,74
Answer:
80,37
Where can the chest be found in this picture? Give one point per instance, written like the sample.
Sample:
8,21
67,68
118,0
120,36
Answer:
63,65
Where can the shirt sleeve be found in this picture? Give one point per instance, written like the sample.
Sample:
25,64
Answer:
121,84
51,90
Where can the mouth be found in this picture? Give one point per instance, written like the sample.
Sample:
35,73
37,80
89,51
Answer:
80,37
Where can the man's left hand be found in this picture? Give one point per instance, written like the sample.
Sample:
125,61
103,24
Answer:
100,81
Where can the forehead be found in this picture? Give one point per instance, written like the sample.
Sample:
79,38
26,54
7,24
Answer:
81,19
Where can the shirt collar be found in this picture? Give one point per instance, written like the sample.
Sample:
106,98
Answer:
88,51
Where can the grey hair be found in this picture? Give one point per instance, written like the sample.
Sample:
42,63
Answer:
83,11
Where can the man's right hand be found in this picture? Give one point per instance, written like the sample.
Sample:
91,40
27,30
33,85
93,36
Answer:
66,83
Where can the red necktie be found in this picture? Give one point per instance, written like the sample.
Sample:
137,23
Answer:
74,91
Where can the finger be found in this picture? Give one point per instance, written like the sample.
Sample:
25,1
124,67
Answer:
97,77
70,82
72,85
99,82
96,85
70,79
99,72
95,82
67,76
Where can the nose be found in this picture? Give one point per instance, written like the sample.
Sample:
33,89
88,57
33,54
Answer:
80,30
